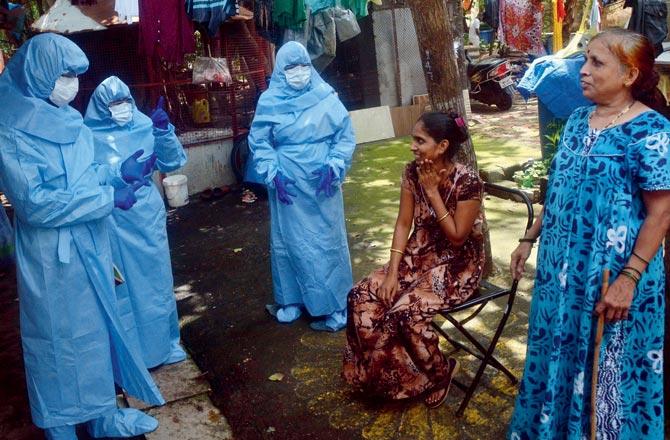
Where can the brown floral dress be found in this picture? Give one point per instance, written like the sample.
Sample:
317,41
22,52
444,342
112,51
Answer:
393,352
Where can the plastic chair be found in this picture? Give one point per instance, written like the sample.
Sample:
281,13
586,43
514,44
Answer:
487,292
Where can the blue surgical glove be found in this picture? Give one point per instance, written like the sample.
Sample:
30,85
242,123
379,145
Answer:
281,184
326,180
134,171
124,198
159,117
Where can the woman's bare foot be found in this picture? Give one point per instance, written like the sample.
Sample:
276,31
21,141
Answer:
439,395
436,398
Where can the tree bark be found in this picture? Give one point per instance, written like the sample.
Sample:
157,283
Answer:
438,24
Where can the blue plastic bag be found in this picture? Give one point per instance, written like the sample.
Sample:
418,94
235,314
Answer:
6,240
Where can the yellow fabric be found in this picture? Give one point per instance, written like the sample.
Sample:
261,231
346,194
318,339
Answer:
558,28
376,2
584,34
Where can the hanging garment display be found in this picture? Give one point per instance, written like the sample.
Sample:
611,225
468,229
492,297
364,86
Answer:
558,13
319,35
491,14
289,14
346,25
649,18
165,30
265,27
127,9
521,25
211,12
359,7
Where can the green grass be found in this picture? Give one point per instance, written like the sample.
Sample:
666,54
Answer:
494,152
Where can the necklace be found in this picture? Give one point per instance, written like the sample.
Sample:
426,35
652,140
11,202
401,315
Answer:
616,118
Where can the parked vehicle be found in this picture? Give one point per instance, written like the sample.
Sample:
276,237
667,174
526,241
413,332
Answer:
491,82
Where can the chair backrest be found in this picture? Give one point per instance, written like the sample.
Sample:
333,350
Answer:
500,191
504,192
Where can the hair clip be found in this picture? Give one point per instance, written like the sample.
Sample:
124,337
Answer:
460,122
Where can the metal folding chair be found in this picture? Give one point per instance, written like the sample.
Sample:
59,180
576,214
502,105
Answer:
487,292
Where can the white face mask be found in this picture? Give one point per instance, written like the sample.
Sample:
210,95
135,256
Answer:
122,113
299,76
64,91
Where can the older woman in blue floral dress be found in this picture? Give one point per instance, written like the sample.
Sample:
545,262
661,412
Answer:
607,207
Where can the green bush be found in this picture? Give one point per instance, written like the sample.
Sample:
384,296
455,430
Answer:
531,175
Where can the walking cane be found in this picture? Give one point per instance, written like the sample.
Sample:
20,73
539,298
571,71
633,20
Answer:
596,353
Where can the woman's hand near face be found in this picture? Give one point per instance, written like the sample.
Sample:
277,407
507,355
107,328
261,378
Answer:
429,176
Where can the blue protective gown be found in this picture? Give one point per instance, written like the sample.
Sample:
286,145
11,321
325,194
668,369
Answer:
74,345
139,238
296,133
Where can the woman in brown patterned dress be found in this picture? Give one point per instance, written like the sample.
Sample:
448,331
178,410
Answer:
392,351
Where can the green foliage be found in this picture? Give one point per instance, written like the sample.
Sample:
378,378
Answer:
536,170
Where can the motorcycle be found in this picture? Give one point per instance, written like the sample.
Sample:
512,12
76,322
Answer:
491,82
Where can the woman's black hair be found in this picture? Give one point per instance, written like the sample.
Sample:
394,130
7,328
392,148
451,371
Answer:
447,125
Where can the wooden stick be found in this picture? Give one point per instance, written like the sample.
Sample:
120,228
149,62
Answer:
596,354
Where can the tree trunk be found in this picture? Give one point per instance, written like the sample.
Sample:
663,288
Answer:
439,24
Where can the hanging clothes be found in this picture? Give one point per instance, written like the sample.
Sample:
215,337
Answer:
491,14
165,30
289,14
649,18
359,7
558,14
521,25
265,26
211,12
319,35
127,9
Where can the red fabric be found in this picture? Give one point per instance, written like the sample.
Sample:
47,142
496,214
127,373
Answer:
560,8
521,25
166,32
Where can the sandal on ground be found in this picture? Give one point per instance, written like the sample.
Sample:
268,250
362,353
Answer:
248,196
444,385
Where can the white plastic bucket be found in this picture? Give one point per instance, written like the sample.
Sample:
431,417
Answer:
176,190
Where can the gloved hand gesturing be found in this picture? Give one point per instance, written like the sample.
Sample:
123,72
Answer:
159,117
124,198
326,180
281,184
134,171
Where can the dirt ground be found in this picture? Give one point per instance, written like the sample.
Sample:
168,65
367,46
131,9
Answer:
220,255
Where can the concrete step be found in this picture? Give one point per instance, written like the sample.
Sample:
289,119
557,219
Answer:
188,414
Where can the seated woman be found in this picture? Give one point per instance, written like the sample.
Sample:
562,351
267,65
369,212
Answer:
391,350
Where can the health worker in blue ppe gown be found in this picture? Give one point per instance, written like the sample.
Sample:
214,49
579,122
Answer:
301,143
139,237
74,344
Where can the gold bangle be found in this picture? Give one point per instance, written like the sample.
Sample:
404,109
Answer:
628,274
397,251
443,217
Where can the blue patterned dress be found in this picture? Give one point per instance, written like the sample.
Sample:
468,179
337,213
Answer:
593,214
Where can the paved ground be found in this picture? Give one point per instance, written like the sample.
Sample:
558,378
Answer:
221,266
